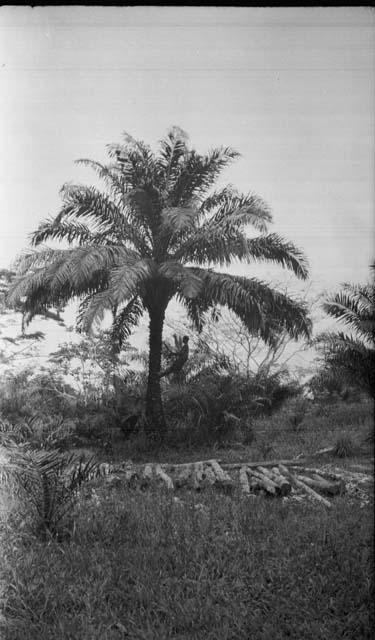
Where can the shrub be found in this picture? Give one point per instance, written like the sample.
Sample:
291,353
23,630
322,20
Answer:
217,407
344,447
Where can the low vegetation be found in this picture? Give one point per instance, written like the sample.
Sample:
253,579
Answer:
144,565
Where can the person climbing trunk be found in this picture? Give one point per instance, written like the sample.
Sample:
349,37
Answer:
180,358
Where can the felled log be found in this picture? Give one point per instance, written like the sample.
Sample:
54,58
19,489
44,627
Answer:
130,474
244,481
301,485
321,452
182,475
264,463
146,476
264,482
163,477
197,475
321,484
283,486
254,483
209,476
223,479
283,483
329,475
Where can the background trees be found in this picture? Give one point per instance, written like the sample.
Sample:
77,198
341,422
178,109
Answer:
152,235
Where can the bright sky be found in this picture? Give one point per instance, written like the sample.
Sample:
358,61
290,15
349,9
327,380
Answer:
292,89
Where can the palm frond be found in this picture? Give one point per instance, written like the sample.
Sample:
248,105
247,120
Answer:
125,321
198,174
124,283
110,174
176,219
72,231
173,148
212,245
80,201
354,306
255,303
235,210
188,282
273,248
347,358
82,262
119,221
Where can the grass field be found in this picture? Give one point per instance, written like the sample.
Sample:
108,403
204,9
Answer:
145,566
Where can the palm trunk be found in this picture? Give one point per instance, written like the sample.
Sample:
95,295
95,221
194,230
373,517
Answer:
155,419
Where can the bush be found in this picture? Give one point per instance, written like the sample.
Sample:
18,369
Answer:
215,407
344,447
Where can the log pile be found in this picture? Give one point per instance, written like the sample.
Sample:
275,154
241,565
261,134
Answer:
273,479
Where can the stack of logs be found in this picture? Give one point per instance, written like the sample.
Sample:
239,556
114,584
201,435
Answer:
272,479
280,480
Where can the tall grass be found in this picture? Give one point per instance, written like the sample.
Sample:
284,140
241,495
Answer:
142,566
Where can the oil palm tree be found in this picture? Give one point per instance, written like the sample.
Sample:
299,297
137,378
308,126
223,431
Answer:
153,234
350,357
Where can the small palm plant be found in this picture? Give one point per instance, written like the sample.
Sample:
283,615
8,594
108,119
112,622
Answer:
48,481
152,235
350,357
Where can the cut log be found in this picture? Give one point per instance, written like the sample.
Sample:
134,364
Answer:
329,475
301,485
220,474
320,484
254,483
223,479
244,481
165,479
146,476
264,463
322,452
148,471
265,483
197,475
182,475
209,477
283,483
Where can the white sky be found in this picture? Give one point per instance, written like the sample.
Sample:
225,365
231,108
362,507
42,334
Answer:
291,89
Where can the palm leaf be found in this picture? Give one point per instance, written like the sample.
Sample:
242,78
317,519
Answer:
255,303
273,248
199,173
235,210
354,306
72,231
125,321
173,148
188,282
124,283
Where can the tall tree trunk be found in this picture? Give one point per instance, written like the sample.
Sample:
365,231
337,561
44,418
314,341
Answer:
156,425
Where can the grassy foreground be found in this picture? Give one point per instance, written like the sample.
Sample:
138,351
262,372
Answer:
150,566
144,566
